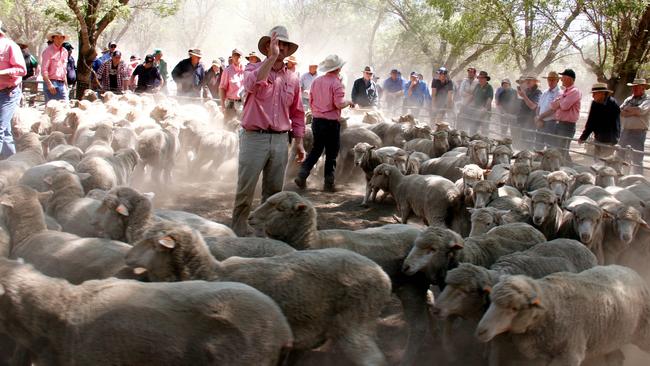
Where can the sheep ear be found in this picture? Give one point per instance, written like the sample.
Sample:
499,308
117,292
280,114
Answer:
149,195
455,245
642,204
299,207
44,196
501,184
48,180
487,289
122,210
5,202
644,224
83,176
167,242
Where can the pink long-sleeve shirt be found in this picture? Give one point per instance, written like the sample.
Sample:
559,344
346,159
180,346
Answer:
12,62
567,105
325,94
273,104
53,63
231,81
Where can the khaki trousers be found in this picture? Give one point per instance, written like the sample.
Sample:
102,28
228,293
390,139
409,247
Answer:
258,153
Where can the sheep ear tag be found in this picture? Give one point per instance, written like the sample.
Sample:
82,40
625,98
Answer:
167,242
487,289
122,210
535,302
300,207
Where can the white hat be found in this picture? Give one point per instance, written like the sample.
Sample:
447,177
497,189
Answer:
331,63
282,34
57,32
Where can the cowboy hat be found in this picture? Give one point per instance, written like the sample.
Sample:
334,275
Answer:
56,33
331,63
237,51
216,62
369,69
552,75
195,52
526,78
252,54
282,35
506,81
600,87
484,74
291,59
639,82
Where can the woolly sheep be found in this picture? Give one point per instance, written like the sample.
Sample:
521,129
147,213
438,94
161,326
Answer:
106,173
29,151
196,322
158,149
477,153
214,148
368,157
605,176
551,159
628,180
519,208
524,156
34,176
434,148
349,138
559,182
546,214
124,138
486,218
53,140
430,197
486,191
68,153
390,133
472,174
616,162
547,325
580,180
501,154
499,173
454,139
414,161
438,249
352,290
204,226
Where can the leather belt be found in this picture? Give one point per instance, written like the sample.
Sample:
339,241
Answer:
273,132
567,122
8,89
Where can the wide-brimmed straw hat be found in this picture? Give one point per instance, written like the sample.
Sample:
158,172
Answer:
526,78
252,54
195,52
282,34
216,62
291,59
600,87
552,75
331,63
56,33
639,81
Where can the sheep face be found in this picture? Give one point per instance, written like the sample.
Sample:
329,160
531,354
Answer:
400,159
586,219
524,157
467,291
626,223
558,182
605,176
515,307
519,173
551,159
478,150
381,177
454,138
360,150
432,250
283,216
615,162
543,200
500,158
485,219
484,192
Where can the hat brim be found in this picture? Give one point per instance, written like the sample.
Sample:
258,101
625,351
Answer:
51,35
646,85
551,77
601,90
330,68
486,77
250,57
195,54
262,43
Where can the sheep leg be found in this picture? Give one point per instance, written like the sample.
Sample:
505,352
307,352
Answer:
413,298
360,347
405,212
369,190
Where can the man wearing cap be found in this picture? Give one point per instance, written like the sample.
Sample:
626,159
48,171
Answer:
507,105
231,87
54,60
12,68
547,125
603,121
114,75
107,53
414,95
161,65
71,66
149,79
364,90
442,91
213,79
635,119
188,75
524,136
393,91
272,109
305,83
326,99
566,108
252,59
481,104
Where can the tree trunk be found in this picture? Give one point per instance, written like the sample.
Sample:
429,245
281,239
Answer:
87,55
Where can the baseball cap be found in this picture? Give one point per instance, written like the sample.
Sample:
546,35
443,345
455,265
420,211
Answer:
116,54
443,70
570,73
148,59
112,44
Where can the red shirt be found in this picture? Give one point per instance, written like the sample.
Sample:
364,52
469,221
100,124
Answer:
274,103
231,81
54,62
11,59
326,92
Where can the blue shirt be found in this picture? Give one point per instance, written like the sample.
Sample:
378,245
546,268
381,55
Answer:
418,96
546,99
393,86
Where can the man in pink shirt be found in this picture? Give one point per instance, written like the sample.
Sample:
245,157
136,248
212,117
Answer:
272,108
326,99
231,87
566,109
12,68
54,61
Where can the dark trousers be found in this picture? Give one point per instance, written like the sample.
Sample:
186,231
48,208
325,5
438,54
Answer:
568,130
327,137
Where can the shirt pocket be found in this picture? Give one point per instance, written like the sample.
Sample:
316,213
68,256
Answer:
288,94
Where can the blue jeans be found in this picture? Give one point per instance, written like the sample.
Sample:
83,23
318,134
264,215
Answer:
565,129
327,137
8,103
635,139
61,91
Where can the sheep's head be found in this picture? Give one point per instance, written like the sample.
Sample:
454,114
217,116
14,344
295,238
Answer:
169,252
454,138
62,178
543,201
582,179
605,176
406,118
400,158
485,219
29,141
442,126
519,173
559,182
126,201
285,216
627,221
360,150
478,152
615,162
587,218
466,292
501,154
484,192
432,250
472,174
524,156
515,307
551,159
381,176
372,117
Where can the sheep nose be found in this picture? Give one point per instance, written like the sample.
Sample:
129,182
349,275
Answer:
537,220
405,268
626,238
585,238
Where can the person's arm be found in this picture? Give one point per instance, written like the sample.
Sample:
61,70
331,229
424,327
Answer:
297,115
531,104
589,126
568,100
267,65
17,62
339,97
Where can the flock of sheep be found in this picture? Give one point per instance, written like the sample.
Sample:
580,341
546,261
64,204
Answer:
510,259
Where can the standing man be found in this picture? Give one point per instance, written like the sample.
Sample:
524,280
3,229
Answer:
71,66
54,61
506,101
12,68
326,100
603,120
305,83
213,78
442,91
149,79
529,95
292,62
566,108
463,104
252,59
393,91
635,120
414,95
114,74
481,105
547,124
273,108
188,75
364,90
232,87
161,65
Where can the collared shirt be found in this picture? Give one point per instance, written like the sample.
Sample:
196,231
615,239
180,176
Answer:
364,93
466,90
569,105
148,78
392,86
546,99
188,77
481,96
306,80
54,63
119,73
442,91
11,59
507,100
232,80
641,122
418,94
525,113
326,93
603,121
274,103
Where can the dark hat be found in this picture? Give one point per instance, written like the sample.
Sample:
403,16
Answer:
471,68
148,58
443,70
369,69
67,46
484,74
570,73
413,73
116,54
111,44
394,71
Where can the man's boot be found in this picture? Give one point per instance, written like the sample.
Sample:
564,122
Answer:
329,185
